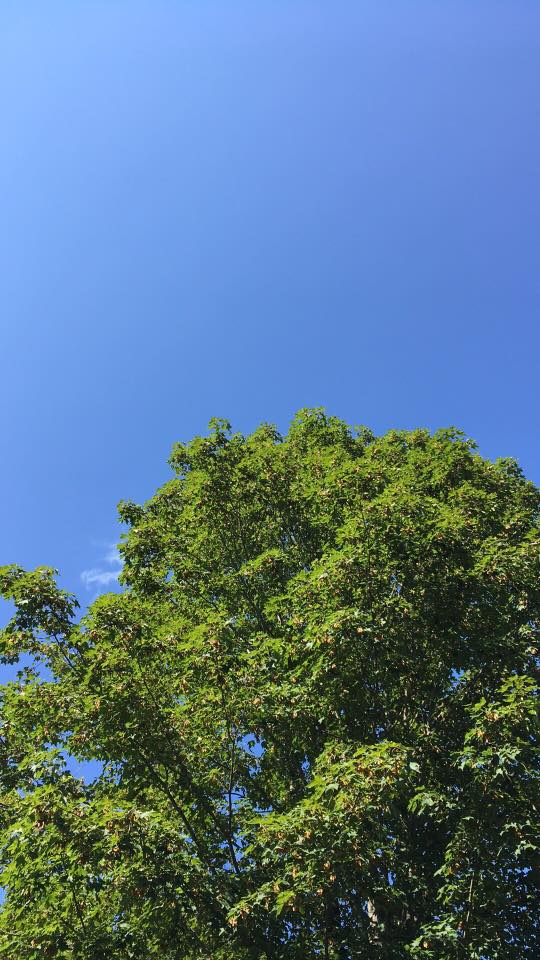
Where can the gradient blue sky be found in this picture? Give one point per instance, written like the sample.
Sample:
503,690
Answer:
241,208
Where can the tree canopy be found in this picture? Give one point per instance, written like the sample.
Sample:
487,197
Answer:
314,707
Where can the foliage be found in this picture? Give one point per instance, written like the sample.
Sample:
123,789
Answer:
314,706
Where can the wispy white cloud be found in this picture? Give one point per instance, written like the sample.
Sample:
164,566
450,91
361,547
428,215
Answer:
98,576
112,556
107,572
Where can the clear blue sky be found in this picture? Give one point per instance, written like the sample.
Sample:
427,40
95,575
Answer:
241,208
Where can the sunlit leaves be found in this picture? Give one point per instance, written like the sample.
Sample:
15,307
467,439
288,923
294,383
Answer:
314,711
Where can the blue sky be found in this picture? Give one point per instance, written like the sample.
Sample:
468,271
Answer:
239,209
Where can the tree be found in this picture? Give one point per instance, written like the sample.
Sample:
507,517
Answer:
314,706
